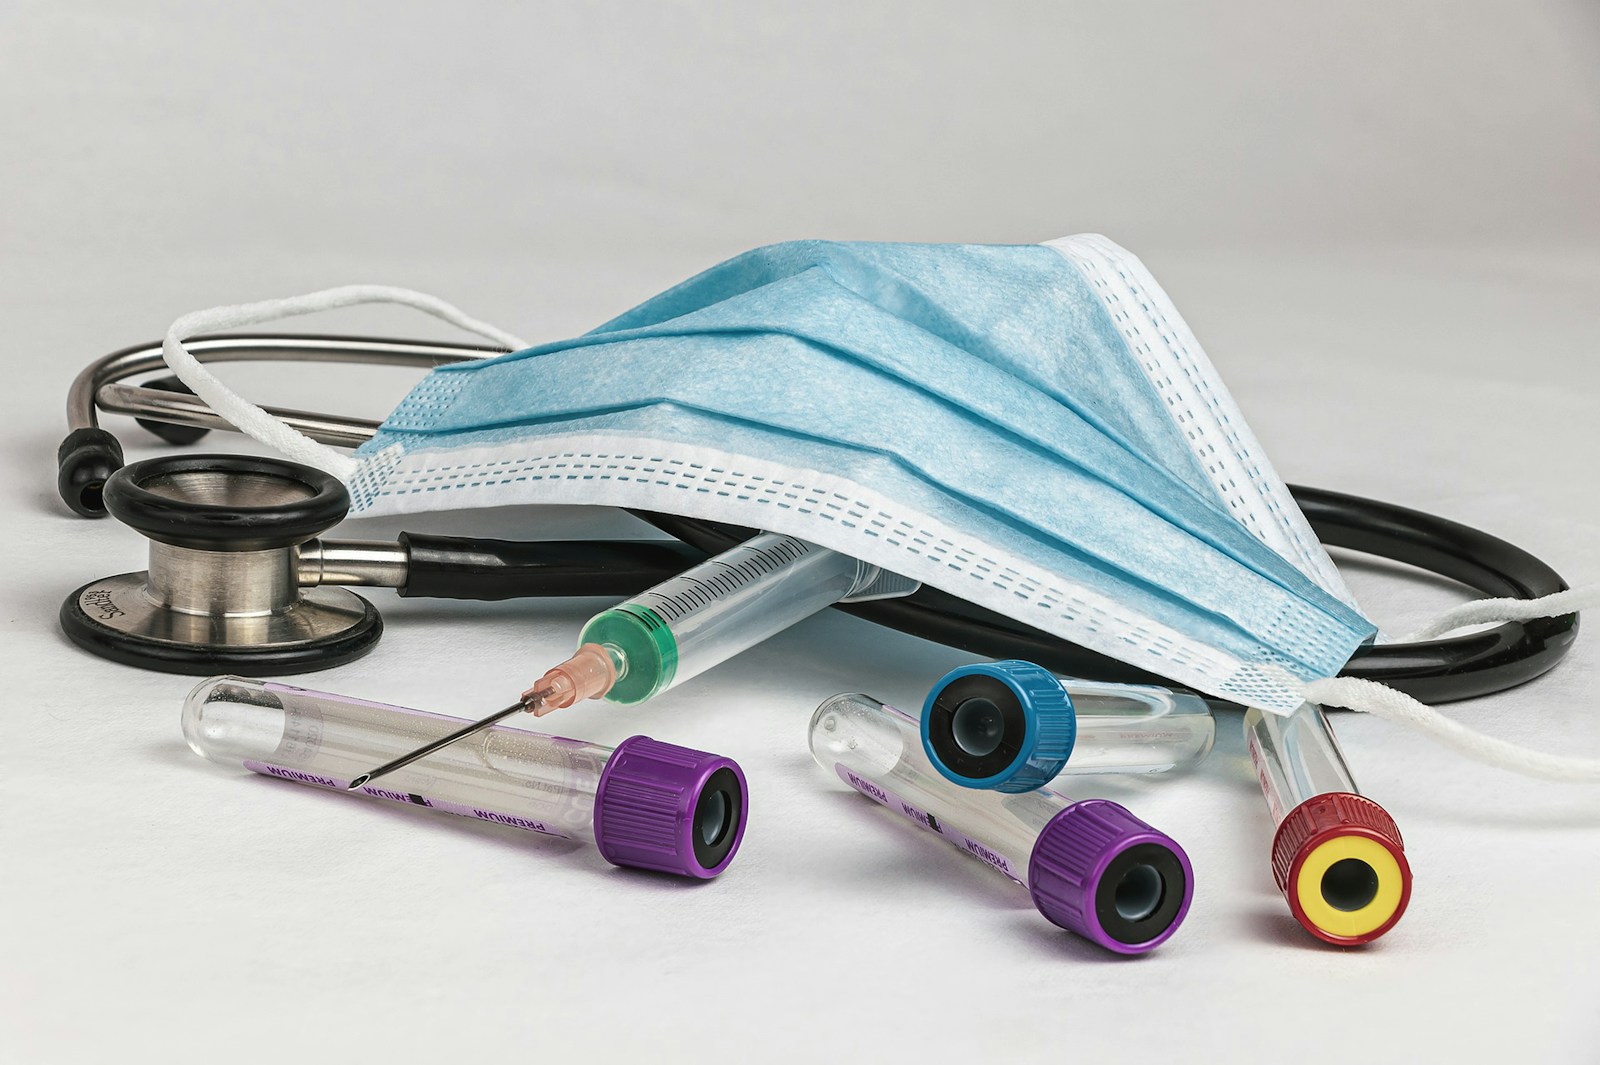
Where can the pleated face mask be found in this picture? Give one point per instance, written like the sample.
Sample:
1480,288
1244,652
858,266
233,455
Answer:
1032,428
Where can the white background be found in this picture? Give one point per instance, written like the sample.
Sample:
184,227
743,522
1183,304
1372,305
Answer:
1381,219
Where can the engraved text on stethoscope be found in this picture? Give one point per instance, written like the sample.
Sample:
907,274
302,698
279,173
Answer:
98,600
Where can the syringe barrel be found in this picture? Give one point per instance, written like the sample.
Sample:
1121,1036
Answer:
726,604
1089,865
1136,728
1336,855
690,825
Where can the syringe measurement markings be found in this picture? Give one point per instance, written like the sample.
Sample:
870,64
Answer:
681,603
786,551
695,592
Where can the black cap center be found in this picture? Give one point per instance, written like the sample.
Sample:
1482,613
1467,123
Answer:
717,811
1140,893
977,727
1350,884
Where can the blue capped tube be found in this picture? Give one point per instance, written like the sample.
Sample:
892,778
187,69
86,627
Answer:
1014,726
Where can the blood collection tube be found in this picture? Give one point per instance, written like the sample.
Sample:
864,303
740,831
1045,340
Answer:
1090,866
1013,726
1337,855
646,804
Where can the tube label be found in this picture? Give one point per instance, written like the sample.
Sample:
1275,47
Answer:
1258,759
883,797
527,824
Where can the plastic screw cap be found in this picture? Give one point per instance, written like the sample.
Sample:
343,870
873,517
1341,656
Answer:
668,808
1038,732
1099,871
1339,860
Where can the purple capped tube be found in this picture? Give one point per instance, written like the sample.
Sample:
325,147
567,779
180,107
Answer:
1089,865
646,804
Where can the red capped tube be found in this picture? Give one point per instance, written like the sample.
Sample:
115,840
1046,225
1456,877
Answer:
1337,856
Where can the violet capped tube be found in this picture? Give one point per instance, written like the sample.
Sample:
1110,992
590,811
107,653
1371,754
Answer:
646,804
1014,726
1337,856
1089,865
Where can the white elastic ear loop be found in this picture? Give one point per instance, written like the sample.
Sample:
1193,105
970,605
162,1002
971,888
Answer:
254,421
1385,702
1379,700
1482,611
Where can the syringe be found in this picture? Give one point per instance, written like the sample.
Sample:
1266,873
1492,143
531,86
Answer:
686,625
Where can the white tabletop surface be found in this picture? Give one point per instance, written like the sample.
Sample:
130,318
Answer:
1383,228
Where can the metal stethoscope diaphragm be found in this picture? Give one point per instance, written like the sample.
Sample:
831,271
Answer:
227,588
239,581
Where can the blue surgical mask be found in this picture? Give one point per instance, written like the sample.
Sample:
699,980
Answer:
1032,428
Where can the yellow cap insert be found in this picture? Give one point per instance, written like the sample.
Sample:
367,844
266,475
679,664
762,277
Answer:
1349,886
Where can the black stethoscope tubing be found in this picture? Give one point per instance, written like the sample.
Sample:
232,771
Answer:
1433,671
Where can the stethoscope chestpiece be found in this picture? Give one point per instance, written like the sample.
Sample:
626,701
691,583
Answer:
222,594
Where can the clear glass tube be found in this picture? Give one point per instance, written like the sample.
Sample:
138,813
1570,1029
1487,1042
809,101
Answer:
710,613
503,775
1089,866
1336,855
1296,757
877,750
1135,728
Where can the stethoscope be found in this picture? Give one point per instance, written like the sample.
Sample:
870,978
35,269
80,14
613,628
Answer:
240,580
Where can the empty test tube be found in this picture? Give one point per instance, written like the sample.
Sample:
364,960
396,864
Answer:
1090,866
644,803
1337,855
1014,726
